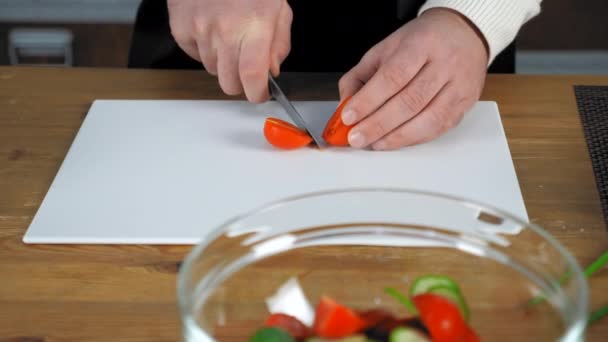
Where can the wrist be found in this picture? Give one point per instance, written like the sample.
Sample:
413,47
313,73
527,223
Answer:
467,25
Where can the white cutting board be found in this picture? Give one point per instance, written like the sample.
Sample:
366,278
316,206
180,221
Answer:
167,172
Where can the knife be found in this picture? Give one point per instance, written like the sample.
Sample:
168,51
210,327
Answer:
279,96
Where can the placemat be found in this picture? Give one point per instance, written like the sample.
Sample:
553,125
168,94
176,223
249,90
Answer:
592,102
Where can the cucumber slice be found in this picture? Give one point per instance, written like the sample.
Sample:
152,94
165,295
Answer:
423,284
271,335
402,334
453,296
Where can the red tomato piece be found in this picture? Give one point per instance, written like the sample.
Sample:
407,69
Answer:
441,317
470,335
336,132
284,135
333,320
290,324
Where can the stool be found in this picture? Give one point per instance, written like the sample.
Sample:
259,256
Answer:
30,43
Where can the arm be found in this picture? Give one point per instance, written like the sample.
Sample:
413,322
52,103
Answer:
498,21
418,82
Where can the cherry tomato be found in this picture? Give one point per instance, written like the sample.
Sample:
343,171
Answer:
284,135
441,317
290,324
333,320
336,132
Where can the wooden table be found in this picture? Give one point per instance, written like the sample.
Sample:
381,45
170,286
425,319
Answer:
127,293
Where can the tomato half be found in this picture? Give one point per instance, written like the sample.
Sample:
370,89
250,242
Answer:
470,335
284,135
441,317
336,132
333,320
290,324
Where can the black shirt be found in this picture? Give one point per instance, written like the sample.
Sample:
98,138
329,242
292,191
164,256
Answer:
326,36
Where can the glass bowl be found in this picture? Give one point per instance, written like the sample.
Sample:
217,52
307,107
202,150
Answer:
350,245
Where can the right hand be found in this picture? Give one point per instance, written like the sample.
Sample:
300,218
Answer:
238,41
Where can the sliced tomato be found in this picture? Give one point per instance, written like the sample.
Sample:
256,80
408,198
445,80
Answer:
284,135
290,324
336,132
470,335
333,320
441,317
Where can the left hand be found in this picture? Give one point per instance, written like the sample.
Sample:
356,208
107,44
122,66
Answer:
417,83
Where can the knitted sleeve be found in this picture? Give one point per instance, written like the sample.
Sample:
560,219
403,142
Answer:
498,20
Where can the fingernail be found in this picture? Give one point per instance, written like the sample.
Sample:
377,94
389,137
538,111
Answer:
380,145
356,139
349,117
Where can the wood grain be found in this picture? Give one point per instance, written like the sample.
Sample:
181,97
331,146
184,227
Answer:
127,293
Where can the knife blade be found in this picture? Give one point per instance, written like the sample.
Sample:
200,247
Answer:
279,96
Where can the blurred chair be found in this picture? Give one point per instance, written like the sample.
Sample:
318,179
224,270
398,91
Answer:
40,46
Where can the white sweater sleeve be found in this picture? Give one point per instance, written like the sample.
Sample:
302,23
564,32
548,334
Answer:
498,20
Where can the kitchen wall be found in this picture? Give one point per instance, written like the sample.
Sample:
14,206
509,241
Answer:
570,36
567,25
100,30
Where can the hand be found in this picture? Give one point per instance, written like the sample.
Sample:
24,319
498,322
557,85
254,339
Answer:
239,41
417,83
